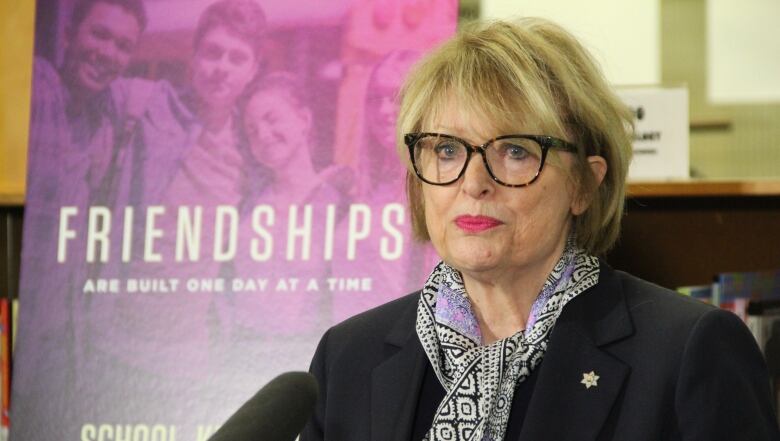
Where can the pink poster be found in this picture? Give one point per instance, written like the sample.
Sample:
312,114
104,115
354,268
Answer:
212,184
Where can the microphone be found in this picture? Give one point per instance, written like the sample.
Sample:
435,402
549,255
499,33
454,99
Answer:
277,412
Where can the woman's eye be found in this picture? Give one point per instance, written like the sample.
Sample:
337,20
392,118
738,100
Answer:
101,33
238,57
447,150
515,151
211,52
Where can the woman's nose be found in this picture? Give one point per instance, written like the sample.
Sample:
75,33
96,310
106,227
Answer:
107,52
224,65
477,182
219,67
263,132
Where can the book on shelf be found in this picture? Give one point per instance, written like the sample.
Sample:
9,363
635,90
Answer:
700,292
736,290
754,296
763,320
14,321
5,366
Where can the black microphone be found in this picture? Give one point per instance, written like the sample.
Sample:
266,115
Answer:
277,412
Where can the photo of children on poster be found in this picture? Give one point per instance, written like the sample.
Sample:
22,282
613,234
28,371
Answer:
211,185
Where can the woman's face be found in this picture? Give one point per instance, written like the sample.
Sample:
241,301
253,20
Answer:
483,228
382,107
222,66
277,130
382,114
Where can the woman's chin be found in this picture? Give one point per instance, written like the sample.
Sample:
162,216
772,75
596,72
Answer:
474,259
280,163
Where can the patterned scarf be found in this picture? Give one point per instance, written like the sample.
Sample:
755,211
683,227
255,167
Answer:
480,380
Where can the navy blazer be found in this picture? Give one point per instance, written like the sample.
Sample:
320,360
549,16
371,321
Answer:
669,367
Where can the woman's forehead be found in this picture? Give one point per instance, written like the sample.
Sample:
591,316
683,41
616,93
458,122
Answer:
226,38
269,98
467,119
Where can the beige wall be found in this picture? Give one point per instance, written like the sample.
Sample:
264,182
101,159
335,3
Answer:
16,37
750,146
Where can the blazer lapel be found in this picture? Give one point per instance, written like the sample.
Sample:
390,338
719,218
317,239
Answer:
563,407
396,383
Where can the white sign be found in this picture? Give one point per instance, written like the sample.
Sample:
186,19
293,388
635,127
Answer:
661,132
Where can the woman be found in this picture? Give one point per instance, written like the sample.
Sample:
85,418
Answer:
383,177
520,332
278,122
271,324
379,183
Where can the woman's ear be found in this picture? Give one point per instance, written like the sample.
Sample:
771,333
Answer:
598,166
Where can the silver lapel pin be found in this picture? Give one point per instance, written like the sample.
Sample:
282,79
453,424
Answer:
590,379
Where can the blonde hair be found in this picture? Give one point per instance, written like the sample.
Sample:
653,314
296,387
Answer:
508,71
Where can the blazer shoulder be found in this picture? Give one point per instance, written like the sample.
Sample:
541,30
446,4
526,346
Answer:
380,322
622,304
668,305
679,325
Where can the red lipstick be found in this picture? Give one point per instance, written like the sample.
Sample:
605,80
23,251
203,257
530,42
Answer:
476,224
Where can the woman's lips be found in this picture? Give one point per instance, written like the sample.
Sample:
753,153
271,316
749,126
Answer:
476,224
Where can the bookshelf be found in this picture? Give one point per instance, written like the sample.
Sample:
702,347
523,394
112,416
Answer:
684,232
11,197
699,188
10,249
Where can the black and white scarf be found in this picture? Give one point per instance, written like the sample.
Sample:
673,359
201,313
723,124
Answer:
480,380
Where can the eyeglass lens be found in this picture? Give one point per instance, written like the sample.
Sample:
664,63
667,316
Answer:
513,161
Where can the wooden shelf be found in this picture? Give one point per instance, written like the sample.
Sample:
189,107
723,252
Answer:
11,198
679,233
710,124
696,188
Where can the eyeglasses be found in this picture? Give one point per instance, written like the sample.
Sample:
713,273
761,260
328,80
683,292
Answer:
511,160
